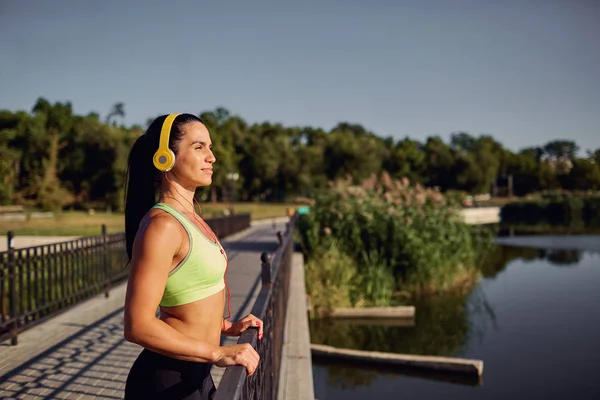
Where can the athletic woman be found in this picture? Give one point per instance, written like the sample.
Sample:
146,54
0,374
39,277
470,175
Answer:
177,266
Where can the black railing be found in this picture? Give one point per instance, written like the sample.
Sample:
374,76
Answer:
226,226
271,307
39,282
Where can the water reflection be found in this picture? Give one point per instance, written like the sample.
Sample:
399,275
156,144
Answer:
555,242
500,255
440,327
561,257
353,374
457,325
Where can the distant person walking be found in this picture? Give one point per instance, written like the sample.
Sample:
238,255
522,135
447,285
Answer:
177,265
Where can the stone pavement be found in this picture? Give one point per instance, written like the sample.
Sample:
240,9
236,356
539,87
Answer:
81,354
296,376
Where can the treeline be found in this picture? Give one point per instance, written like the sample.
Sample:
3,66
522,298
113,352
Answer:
51,158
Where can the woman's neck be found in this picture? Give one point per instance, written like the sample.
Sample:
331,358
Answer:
179,197
183,205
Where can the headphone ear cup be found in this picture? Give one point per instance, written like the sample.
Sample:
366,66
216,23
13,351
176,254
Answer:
164,160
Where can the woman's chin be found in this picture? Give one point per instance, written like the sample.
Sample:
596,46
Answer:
205,182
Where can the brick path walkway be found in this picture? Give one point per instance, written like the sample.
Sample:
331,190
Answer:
82,354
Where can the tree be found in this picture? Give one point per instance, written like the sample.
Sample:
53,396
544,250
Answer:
585,175
487,158
105,147
57,120
595,156
118,110
561,149
440,161
462,142
406,159
8,165
350,155
530,172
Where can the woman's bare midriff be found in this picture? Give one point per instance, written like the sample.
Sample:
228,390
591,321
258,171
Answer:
201,320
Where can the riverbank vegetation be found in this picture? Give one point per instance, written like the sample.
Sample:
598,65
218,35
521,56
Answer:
385,242
564,210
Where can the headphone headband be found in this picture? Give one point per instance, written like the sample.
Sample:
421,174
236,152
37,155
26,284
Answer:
164,158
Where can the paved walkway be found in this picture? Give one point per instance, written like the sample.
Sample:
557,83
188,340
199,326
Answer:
82,354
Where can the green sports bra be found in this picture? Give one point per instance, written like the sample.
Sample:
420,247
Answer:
201,273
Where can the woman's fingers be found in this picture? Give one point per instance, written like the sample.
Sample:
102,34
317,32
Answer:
249,359
253,321
259,324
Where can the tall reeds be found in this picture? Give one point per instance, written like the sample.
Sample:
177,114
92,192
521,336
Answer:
384,242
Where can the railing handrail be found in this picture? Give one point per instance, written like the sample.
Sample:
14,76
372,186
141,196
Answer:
62,242
231,386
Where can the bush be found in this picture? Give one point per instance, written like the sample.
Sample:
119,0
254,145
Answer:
392,241
566,210
591,211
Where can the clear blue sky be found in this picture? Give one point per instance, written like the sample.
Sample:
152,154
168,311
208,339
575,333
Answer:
524,71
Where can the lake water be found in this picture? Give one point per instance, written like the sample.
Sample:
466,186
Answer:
534,320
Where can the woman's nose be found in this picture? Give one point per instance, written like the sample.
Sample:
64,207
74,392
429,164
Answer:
211,157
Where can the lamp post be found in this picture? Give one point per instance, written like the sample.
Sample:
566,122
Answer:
232,177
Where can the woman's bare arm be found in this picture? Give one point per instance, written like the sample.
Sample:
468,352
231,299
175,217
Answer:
152,258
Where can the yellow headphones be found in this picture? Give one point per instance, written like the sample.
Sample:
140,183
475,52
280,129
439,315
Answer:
164,158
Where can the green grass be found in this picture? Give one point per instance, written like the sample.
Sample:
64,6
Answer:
80,223
256,210
68,223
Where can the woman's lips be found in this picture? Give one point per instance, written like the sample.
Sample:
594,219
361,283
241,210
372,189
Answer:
208,170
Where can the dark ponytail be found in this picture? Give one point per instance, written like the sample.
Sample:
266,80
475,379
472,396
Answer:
143,179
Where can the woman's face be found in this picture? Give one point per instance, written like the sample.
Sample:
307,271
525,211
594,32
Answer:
194,160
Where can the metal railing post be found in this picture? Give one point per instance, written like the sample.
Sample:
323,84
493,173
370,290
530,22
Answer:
12,290
265,268
9,238
106,263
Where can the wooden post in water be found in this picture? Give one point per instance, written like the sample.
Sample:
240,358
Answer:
373,312
434,363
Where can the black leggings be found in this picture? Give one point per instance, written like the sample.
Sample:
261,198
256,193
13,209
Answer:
154,376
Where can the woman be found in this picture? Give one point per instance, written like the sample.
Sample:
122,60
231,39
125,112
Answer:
177,265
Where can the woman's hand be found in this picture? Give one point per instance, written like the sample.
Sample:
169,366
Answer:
238,354
236,328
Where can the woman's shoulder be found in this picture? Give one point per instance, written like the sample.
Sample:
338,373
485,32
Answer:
160,224
159,235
